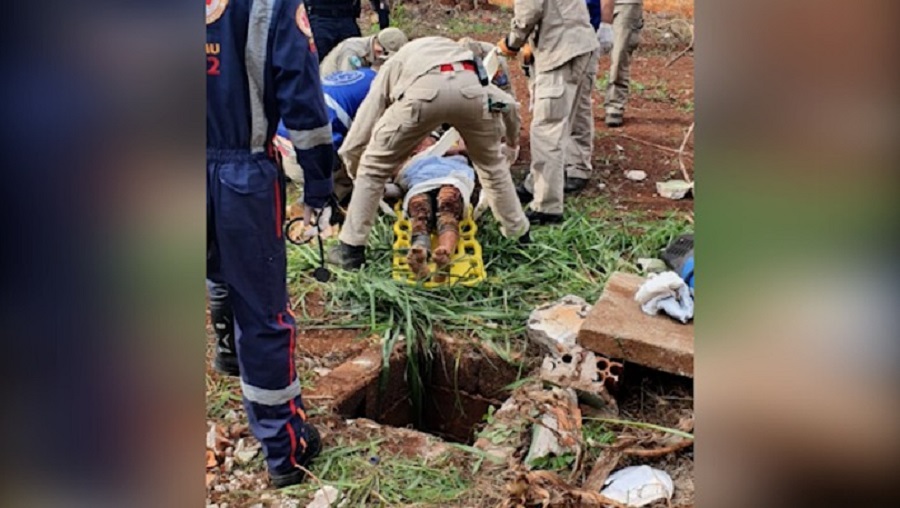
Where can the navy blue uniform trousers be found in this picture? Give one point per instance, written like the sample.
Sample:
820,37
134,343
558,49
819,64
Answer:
329,32
246,252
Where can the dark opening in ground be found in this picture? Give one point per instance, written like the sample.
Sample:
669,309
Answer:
461,382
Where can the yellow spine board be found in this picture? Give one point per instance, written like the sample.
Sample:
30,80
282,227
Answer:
466,268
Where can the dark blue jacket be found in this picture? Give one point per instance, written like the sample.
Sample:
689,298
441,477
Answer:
261,66
594,9
344,93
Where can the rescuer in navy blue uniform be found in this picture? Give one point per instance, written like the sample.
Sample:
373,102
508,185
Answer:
257,72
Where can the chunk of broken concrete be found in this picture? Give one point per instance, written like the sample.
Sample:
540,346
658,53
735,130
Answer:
559,430
557,323
617,328
636,175
674,189
591,377
638,486
244,452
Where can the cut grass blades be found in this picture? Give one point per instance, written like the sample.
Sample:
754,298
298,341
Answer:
575,258
364,477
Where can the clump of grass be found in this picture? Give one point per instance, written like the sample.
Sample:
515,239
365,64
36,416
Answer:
575,258
366,478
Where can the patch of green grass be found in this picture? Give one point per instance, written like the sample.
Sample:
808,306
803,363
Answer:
554,462
223,393
575,258
687,106
365,477
460,27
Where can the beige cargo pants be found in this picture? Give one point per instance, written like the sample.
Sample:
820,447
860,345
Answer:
628,20
555,93
580,147
456,98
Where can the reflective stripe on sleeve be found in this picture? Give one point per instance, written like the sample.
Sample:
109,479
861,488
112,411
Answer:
308,139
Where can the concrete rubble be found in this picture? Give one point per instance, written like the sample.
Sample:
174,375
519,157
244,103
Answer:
559,430
617,328
554,326
591,376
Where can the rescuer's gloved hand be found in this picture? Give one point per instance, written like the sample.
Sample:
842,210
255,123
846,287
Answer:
505,50
511,153
316,219
527,54
605,37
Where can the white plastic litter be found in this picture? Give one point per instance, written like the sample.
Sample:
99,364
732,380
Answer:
638,486
325,497
666,292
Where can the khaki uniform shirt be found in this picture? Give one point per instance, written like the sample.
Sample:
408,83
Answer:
412,61
341,57
558,31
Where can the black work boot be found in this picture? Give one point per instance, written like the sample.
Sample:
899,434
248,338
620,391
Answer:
526,238
574,185
348,257
540,218
614,119
222,318
313,447
524,195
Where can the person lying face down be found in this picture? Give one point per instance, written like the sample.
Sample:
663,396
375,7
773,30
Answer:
441,183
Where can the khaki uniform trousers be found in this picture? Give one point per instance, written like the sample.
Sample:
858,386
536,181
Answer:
435,98
628,21
555,93
580,148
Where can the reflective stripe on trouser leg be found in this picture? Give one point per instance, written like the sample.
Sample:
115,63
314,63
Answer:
555,92
580,146
627,17
253,263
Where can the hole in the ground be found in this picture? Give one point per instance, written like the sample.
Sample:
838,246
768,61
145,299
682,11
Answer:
461,383
567,358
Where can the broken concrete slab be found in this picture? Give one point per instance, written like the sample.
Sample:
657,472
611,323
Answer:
617,328
557,323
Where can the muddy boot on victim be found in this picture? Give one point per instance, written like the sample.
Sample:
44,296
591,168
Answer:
450,205
420,214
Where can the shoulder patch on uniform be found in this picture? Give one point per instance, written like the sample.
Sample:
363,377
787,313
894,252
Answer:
343,78
214,10
304,26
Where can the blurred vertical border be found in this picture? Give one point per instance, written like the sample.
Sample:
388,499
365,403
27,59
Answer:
797,356
104,250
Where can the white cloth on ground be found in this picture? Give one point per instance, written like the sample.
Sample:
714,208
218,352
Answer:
666,292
